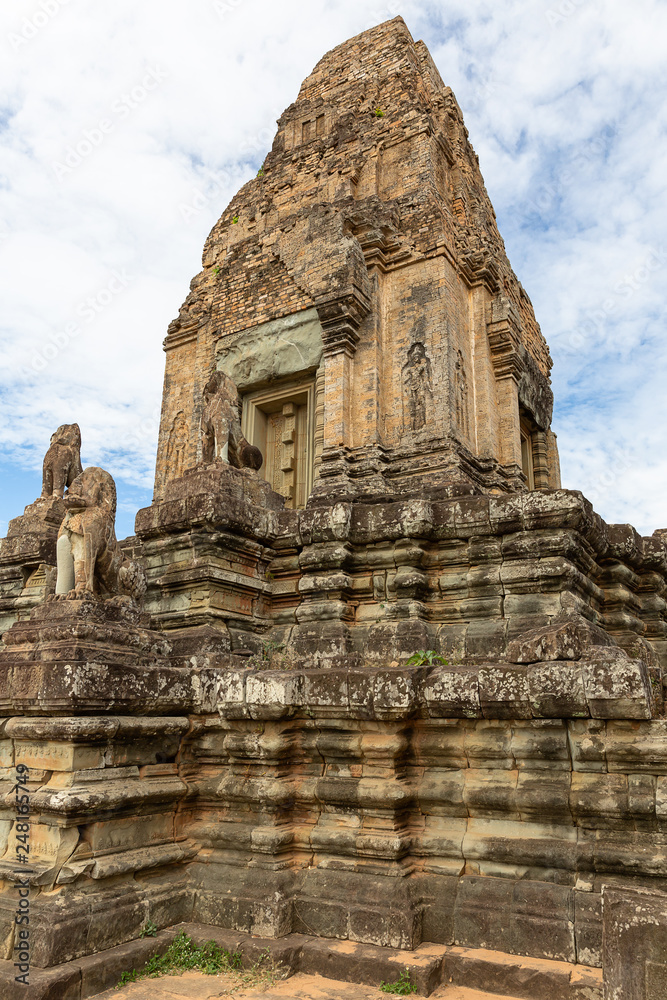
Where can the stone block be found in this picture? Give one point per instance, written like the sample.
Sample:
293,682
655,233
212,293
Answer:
488,744
485,640
541,744
588,927
273,694
617,688
562,640
544,795
441,841
495,973
634,943
637,746
395,692
227,694
504,692
451,692
321,918
53,756
543,921
587,741
397,640
384,927
328,691
557,690
501,842
328,524
482,913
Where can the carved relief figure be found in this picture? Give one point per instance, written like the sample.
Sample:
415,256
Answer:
221,436
178,440
461,392
88,556
417,384
62,462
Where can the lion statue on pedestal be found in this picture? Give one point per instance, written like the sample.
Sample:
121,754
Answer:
222,439
89,558
62,462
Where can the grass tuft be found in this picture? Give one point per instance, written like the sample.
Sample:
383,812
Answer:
183,955
403,985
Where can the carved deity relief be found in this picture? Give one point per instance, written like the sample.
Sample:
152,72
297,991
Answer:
176,446
221,437
62,462
417,385
461,395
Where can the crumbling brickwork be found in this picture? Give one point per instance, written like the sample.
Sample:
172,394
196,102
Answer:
371,208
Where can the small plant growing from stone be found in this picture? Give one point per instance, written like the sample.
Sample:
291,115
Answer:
148,930
425,658
270,657
183,955
379,113
260,172
216,269
235,219
403,986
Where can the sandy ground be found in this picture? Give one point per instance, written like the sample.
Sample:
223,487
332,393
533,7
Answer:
195,986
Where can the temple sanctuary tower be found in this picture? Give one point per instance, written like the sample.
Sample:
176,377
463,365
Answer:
358,293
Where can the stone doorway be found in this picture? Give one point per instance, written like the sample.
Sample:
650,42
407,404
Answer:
280,423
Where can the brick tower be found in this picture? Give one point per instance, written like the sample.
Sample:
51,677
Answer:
358,293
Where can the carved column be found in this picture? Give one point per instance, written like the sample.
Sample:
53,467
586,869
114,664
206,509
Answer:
504,333
340,319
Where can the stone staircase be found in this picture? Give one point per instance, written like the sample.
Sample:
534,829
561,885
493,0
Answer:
435,969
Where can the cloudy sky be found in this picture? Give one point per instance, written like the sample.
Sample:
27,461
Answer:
125,129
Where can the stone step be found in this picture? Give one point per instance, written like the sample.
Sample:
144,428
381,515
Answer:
432,967
197,986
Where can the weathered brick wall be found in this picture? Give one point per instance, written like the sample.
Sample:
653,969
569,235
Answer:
371,200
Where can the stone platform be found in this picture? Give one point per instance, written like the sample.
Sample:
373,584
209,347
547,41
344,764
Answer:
431,968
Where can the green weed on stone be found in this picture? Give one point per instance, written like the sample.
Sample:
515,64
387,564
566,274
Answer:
403,986
425,657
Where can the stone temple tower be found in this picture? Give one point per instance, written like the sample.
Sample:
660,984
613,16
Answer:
367,687
358,293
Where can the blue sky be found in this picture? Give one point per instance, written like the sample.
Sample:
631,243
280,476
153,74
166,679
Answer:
126,128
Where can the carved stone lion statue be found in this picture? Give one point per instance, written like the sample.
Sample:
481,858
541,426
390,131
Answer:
221,435
88,556
62,462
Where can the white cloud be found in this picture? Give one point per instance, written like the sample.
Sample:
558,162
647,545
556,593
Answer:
563,101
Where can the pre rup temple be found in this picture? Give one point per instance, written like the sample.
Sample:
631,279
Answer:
367,687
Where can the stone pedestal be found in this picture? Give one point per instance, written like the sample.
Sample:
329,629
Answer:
28,559
90,697
208,546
